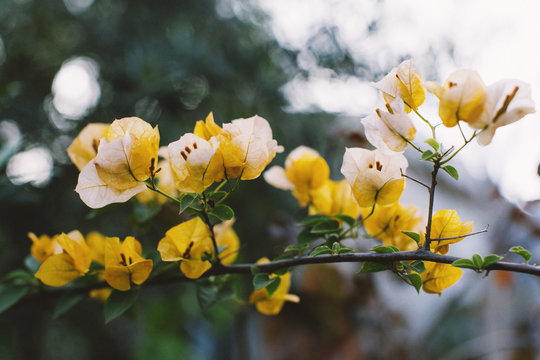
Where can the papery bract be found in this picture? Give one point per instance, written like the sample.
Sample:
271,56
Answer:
334,197
461,96
227,239
73,262
43,246
374,176
305,172
207,129
438,277
272,305
85,146
124,264
189,242
446,224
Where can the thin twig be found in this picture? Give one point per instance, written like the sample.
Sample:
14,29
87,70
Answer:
462,236
413,179
436,166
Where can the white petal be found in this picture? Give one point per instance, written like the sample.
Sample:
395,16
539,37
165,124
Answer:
276,177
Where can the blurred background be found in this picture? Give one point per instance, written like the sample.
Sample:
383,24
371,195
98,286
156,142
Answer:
305,66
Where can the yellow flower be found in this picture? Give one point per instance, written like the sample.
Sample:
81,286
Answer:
72,262
334,197
461,97
374,176
124,264
208,129
43,247
96,243
124,160
390,131
271,305
247,147
227,239
506,101
164,179
85,146
446,224
194,163
189,242
387,224
403,82
438,277
305,172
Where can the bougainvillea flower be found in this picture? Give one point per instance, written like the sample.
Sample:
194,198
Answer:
334,197
390,131
124,264
272,305
403,82
305,172
191,243
125,159
461,96
194,163
85,146
387,224
506,102
374,176
164,179
207,129
73,262
227,241
43,246
248,147
96,242
446,224
438,277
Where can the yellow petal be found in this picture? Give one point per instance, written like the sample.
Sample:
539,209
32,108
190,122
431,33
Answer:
85,146
96,243
42,247
140,271
207,129
57,270
390,192
118,277
226,237
193,269
438,277
77,250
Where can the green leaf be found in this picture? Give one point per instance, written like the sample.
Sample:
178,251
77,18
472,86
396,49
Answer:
521,251
345,250
416,266
464,263
32,264
433,143
384,249
412,235
186,200
222,212
311,220
285,256
416,281
273,286
369,267
209,294
216,196
261,280
490,260
118,302
292,248
427,155
450,170
66,302
19,276
306,237
326,227
281,272
346,219
319,250
477,261
336,247
10,294
254,270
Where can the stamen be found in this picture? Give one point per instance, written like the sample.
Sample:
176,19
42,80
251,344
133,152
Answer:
95,144
451,84
379,166
370,166
130,260
187,254
183,155
389,109
378,112
195,145
123,262
188,150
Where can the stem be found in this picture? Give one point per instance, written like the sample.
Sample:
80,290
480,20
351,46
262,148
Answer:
458,150
413,179
436,166
152,186
217,260
427,122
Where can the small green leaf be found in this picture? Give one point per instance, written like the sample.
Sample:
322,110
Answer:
118,302
19,276
428,154
284,256
345,250
345,218
292,248
450,170
186,200
521,251
433,143
326,227
416,281
222,212
477,261
416,266
66,302
335,247
216,196
10,294
311,220
464,263
369,267
490,260
319,250
306,237
412,235
384,249
273,286
261,281
281,272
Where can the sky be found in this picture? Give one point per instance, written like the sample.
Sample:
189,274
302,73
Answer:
495,39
